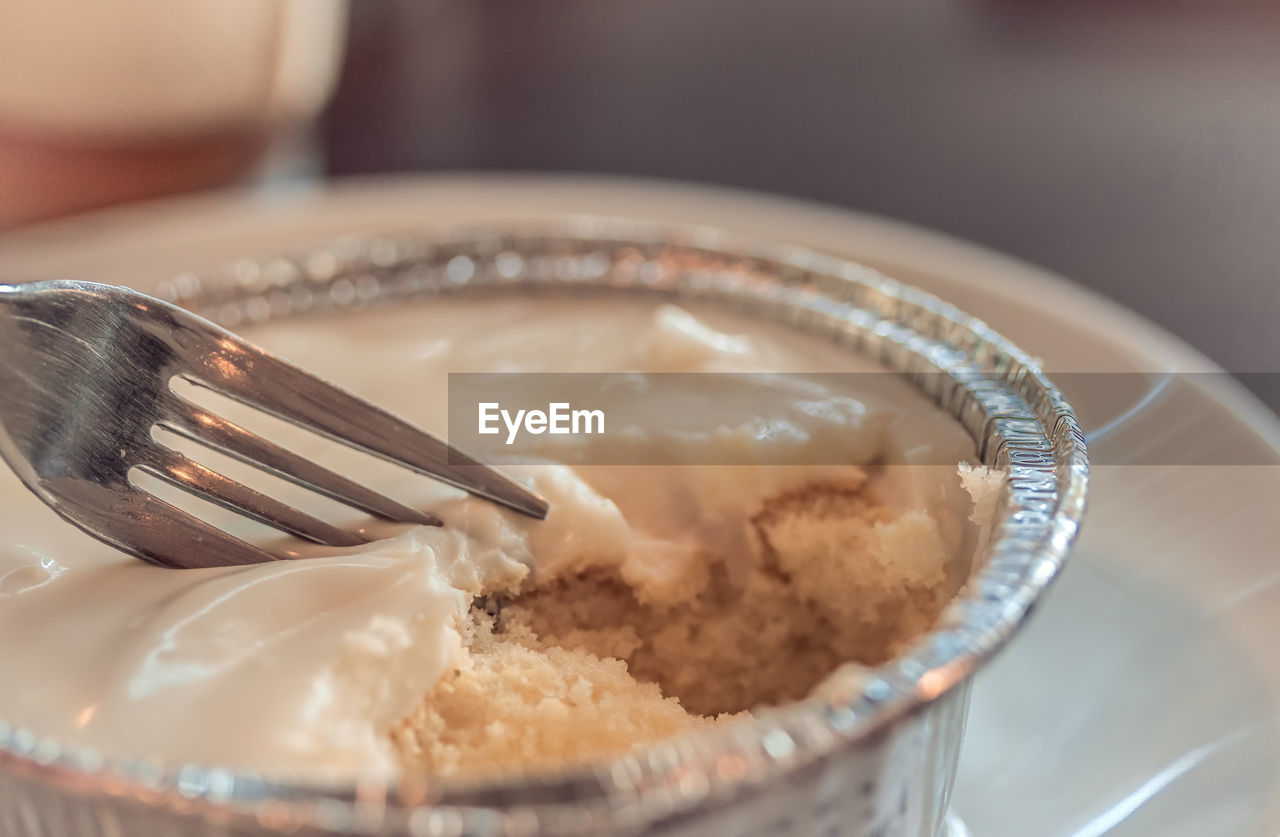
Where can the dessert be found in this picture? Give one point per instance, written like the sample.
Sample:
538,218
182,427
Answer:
654,599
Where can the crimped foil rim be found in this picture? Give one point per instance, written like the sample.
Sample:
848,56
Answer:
1019,420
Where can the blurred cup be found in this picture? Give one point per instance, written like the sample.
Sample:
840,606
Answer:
106,102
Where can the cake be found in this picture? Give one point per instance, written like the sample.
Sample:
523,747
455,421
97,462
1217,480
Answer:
591,663
750,560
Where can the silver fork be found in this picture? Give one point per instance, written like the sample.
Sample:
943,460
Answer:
85,376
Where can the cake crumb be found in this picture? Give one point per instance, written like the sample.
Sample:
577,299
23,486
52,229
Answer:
986,486
518,703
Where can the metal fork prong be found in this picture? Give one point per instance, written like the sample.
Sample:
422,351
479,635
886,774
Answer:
163,534
215,432
288,392
191,476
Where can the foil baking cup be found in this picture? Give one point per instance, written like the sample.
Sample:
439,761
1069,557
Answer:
875,755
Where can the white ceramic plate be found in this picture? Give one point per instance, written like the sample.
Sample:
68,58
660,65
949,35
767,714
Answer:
1144,697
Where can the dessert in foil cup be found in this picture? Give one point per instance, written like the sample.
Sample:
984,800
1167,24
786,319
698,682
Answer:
868,748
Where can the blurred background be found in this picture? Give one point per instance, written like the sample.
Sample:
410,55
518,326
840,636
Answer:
1131,146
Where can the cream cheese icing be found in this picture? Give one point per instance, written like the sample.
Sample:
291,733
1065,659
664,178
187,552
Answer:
303,668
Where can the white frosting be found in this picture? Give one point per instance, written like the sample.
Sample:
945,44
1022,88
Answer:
301,667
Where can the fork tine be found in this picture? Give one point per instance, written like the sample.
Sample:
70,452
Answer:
213,431
170,537
141,524
262,380
174,468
